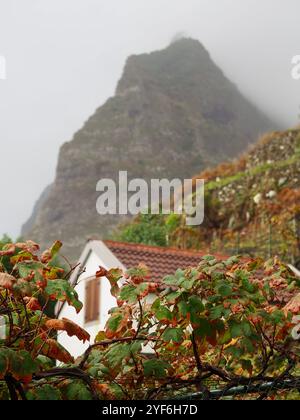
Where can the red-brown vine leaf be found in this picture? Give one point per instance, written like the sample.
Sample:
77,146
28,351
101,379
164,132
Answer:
28,246
7,281
54,273
102,272
54,350
293,306
70,327
49,254
118,323
105,391
113,276
32,304
7,250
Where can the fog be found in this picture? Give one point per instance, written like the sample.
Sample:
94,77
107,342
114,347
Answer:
64,58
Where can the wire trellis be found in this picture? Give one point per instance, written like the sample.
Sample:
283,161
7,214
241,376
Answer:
277,389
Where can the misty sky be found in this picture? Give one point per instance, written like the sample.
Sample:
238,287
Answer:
64,58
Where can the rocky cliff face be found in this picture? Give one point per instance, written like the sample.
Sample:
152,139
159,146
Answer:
174,112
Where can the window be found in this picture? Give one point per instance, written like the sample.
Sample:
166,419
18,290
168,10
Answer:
92,300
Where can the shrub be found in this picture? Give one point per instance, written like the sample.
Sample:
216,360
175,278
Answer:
207,329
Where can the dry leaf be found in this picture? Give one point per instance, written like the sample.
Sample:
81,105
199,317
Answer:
69,326
7,281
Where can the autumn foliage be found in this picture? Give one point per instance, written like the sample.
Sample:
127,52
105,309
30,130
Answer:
213,327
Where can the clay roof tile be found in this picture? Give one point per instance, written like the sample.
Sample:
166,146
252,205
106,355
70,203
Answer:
160,261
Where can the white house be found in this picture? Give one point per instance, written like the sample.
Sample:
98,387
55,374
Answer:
95,294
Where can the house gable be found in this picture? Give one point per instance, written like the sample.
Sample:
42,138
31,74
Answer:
110,254
94,255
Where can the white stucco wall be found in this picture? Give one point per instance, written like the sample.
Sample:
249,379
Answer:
107,301
96,254
295,270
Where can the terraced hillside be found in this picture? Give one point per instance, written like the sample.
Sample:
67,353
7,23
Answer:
252,204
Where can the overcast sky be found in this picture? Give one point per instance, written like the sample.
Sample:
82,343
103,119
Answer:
64,58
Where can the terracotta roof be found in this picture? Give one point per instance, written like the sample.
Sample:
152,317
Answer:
160,261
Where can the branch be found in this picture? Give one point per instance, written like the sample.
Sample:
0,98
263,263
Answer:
219,372
108,343
11,388
69,373
140,320
19,388
196,354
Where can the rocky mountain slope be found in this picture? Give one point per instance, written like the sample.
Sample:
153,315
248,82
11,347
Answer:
174,112
252,205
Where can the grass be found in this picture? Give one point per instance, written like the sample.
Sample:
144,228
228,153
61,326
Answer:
212,185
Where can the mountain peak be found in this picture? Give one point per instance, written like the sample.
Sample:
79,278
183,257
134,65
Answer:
183,58
174,113
188,44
